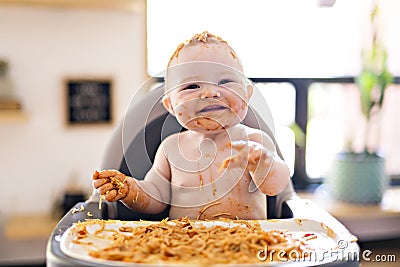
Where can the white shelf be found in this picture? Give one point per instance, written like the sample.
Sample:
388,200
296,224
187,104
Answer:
124,5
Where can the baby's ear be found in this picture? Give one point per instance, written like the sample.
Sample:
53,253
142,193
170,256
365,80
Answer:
249,90
167,104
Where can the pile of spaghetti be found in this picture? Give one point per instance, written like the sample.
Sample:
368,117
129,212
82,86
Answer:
185,242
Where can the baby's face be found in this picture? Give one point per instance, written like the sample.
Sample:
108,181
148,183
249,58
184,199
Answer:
206,89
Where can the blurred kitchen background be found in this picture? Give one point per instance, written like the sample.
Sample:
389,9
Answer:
303,55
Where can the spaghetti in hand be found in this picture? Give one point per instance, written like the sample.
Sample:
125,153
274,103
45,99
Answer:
111,184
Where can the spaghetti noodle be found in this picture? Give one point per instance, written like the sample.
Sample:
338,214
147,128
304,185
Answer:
184,241
116,184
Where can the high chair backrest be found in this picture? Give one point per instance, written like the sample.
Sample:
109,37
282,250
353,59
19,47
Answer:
146,123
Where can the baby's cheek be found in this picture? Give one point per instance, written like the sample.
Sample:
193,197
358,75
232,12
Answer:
237,104
240,109
181,113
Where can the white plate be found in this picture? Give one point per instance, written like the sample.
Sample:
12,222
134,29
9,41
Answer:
330,245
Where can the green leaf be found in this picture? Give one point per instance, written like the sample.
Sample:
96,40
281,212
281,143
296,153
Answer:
299,135
366,81
385,79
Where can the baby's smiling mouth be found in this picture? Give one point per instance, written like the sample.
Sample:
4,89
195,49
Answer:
212,108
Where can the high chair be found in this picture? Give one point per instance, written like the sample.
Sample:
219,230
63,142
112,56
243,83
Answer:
131,150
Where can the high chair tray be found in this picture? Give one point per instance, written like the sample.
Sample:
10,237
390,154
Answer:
330,245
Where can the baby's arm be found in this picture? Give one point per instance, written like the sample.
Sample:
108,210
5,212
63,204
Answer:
148,196
268,171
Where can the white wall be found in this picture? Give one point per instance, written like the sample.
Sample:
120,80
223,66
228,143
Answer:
41,157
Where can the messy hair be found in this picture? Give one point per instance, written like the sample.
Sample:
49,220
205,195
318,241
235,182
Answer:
204,37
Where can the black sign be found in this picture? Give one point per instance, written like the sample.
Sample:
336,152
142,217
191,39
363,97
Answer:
89,101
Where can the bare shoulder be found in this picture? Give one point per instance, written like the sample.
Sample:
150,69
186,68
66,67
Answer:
170,138
171,141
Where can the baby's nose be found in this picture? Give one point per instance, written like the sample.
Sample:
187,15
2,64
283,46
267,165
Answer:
209,93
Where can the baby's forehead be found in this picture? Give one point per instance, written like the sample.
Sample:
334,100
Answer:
206,70
217,60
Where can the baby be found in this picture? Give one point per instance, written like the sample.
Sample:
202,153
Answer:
218,167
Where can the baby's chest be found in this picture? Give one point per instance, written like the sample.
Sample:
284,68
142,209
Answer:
198,168
196,176
209,177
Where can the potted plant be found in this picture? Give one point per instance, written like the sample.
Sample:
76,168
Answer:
360,176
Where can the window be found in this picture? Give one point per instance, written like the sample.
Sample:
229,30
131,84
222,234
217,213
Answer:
281,98
335,122
278,38
303,57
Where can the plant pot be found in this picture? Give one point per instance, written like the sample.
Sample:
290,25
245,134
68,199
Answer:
357,178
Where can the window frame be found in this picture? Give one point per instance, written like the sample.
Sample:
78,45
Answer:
301,85
300,179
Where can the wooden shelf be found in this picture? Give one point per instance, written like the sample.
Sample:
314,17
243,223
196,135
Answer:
13,116
39,226
123,5
367,222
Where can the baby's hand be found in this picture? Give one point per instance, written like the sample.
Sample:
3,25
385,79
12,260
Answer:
250,155
111,184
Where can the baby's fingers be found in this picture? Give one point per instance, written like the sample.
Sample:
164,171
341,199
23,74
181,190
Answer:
99,182
256,154
95,175
239,145
102,190
111,195
120,177
108,173
119,194
232,162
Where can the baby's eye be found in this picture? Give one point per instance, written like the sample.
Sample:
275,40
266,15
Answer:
192,86
224,81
